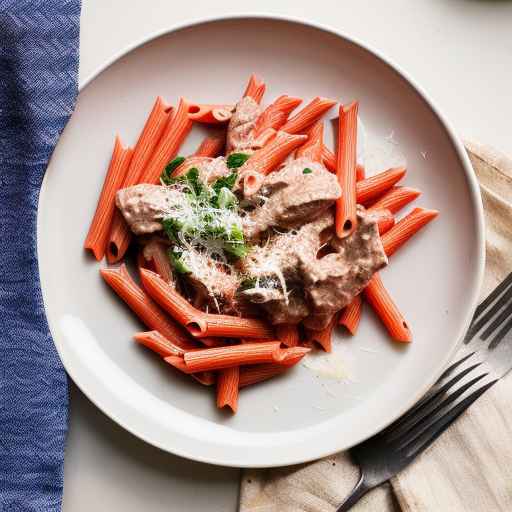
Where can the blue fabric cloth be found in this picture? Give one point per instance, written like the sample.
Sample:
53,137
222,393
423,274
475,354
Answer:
38,85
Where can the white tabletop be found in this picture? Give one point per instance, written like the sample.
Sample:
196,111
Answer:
458,50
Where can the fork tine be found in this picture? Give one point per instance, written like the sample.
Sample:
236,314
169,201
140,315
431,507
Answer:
484,318
424,408
492,296
491,328
418,427
452,367
501,334
435,430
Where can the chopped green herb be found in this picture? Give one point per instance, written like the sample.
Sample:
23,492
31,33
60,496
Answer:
170,168
208,218
225,199
225,182
237,160
307,170
235,244
237,249
172,227
177,262
248,283
268,282
194,185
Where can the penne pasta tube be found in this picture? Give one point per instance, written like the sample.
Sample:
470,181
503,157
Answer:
351,315
98,234
346,204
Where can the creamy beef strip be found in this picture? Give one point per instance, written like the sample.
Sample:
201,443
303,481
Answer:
240,137
211,169
276,270
214,285
298,193
316,284
143,206
332,281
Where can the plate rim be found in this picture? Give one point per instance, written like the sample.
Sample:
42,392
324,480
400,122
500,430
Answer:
475,197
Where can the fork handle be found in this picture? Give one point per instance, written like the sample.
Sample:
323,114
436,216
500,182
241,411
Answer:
357,493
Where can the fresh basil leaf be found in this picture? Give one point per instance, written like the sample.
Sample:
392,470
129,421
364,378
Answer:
170,168
235,245
248,283
225,182
237,249
172,227
237,160
307,170
225,199
177,262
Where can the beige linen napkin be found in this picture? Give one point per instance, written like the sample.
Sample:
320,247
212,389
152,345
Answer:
469,469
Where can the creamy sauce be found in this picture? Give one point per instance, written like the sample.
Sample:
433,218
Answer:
293,198
143,206
240,134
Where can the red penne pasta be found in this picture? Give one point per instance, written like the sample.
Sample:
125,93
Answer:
371,188
312,148
206,324
158,343
351,315
141,304
173,136
271,155
232,355
214,342
267,159
210,114
405,228
148,140
255,88
287,334
167,296
276,114
324,336
236,355
204,378
292,355
375,292
120,235
346,218
198,323
142,262
227,388
385,220
258,373
396,198
178,362
119,239
157,252
328,159
166,348
211,146
311,113
189,162
360,172
383,304
99,230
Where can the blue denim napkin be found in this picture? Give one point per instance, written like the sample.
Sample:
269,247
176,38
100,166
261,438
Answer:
38,87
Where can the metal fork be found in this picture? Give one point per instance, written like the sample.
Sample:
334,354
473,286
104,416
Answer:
485,357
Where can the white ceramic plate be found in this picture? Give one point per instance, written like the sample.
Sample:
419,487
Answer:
304,415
